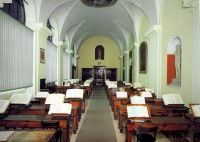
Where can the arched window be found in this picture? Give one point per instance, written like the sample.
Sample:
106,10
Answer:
50,27
143,57
15,9
99,53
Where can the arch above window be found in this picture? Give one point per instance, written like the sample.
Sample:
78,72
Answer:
16,10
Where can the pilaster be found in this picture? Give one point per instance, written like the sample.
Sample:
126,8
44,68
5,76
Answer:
41,33
154,53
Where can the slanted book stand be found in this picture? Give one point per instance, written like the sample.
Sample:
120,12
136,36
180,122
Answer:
138,113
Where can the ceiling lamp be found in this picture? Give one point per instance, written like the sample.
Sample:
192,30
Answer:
99,3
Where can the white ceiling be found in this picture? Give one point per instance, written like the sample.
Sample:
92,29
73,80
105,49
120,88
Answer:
76,21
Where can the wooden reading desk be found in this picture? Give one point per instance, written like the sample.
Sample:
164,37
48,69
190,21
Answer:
34,121
41,110
32,136
154,110
164,124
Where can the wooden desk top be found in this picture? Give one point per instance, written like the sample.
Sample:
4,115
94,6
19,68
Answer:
33,136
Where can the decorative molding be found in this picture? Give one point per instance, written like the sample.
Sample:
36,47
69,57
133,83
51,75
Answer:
136,44
40,27
190,3
70,51
77,56
126,52
153,30
4,1
120,57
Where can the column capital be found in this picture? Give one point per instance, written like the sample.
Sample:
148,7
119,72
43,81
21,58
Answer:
70,51
126,52
136,44
40,27
190,3
76,56
120,57
153,31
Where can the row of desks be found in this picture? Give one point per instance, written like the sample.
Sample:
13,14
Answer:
167,119
33,116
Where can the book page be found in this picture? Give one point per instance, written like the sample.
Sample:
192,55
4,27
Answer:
25,98
167,99
55,99
50,99
147,94
66,108
196,110
86,84
177,99
127,84
121,95
4,105
42,95
137,100
15,98
74,93
112,85
137,111
59,99
149,90
5,135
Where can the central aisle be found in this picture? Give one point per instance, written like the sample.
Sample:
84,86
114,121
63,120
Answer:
97,125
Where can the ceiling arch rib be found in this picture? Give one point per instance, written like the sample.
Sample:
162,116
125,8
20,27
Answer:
61,13
125,31
96,18
47,7
120,43
71,32
136,15
149,7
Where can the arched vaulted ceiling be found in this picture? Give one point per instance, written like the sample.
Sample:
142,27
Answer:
77,22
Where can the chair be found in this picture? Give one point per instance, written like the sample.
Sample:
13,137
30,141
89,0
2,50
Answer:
142,135
54,125
196,136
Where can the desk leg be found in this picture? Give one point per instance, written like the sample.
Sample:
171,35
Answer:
75,121
120,123
129,135
115,112
83,106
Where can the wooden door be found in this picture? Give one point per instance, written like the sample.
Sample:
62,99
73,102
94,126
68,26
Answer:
99,75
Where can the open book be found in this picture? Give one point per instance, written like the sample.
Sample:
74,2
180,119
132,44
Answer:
121,95
146,94
5,135
195,109
137,111
137,84
172,99
42,95
21,98
149,90
86,84
55,99
74,93
4,105
112,85
64,108
127,84
137,100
